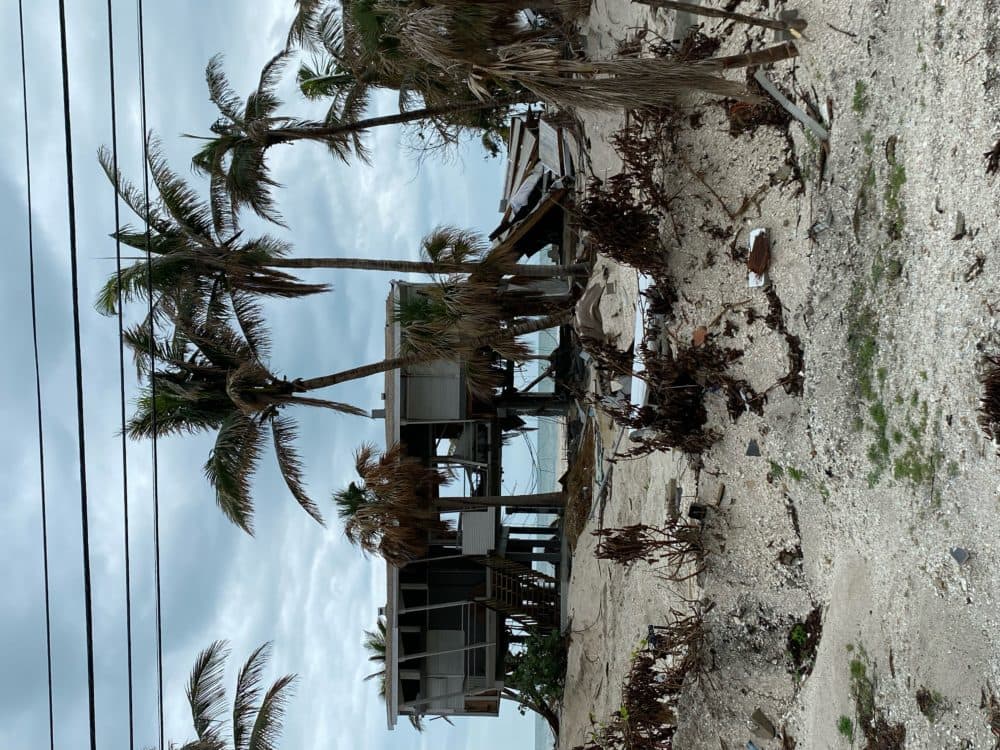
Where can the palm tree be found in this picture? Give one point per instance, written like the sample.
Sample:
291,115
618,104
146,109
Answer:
395,510
374,643
208,374
256,719
541,68
235,158
189,238
354,50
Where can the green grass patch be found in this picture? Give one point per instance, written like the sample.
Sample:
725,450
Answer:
863,692
914,465
863,347
893,205
845,727
776,471
860,101
795,474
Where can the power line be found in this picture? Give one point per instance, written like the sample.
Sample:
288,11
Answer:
38,381
121,379
81,433
152,377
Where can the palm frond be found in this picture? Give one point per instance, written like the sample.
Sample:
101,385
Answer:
133,197
374,641
447,244
134,281
142,342
231,464
220,90
270,717
225,218
283,433
206,694
248,687
302,30
323,403
349,500
179,200
263,101
250,319
328,32
174,414
249,181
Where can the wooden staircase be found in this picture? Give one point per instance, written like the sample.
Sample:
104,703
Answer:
523,595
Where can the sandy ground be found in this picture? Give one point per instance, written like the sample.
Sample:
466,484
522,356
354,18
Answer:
879,468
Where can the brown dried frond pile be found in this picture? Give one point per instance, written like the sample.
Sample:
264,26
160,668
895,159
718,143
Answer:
989,402
579,486
640,145
677,385
620,226
676,543
647,719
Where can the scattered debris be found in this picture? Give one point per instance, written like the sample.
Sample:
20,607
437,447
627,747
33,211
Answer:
960,554
991,705
794,110
697,511
803,642
699,336
794,381
959,231
759,257
993,158
973,271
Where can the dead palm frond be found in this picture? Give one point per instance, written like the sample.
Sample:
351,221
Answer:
989,402
392,514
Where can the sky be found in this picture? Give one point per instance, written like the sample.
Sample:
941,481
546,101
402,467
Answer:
297,584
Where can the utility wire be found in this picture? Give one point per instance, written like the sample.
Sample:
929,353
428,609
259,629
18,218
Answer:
121,379
152,378
81,436
38,381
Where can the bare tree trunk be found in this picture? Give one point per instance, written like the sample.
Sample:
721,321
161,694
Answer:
777,53
798,24
429,267
394,363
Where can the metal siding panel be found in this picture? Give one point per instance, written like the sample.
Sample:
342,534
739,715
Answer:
478,532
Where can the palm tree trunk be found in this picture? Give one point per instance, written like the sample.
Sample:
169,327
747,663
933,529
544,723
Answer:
416,266
394,363
540,500
798,24
511,4
287,135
